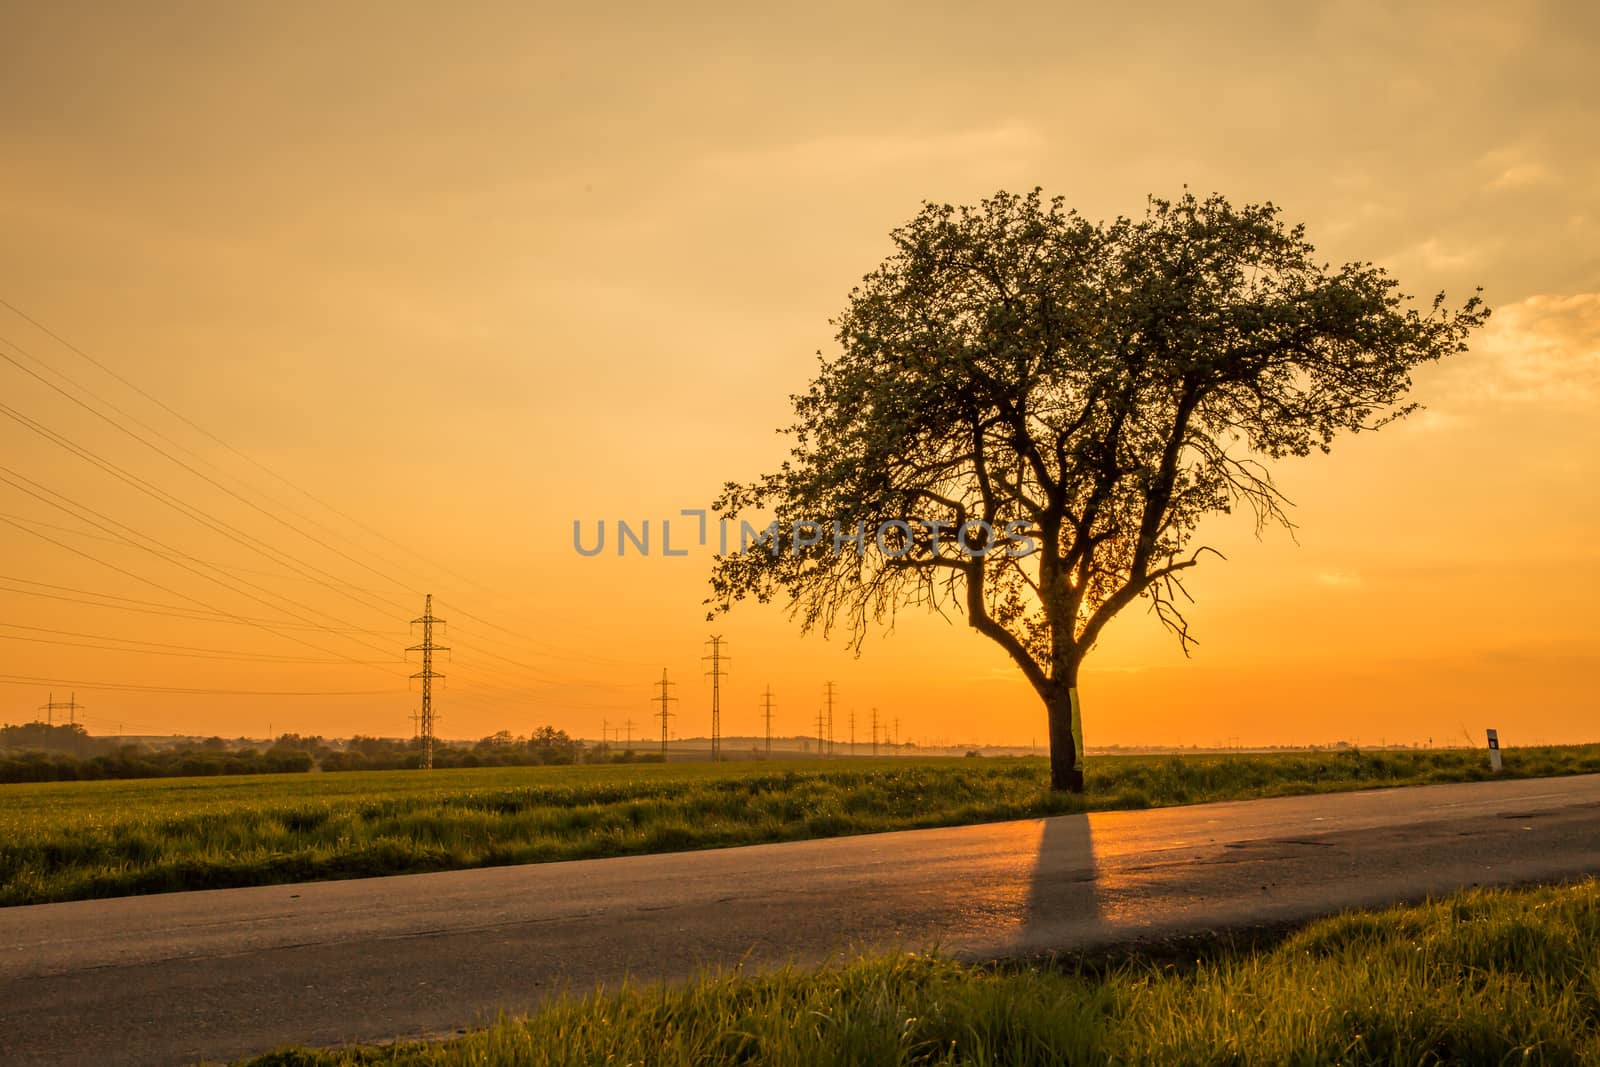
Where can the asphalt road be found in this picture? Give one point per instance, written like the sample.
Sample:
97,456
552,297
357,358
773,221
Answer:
222,974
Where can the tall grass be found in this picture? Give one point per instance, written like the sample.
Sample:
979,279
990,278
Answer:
1481,978
69,840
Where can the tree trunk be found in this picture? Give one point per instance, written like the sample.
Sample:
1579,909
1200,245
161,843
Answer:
1066,736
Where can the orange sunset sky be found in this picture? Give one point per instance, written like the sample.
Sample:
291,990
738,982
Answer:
471,272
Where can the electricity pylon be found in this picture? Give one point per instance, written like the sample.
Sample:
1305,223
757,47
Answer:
874,731
427,674
664,714
71,707
830,717
717,660
767,706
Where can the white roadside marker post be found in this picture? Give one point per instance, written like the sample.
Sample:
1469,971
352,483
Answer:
1494,751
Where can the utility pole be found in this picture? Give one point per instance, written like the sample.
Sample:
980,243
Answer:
427,674
820,750
71,707
716,672
627,743
852,731
664,713
830,717
767,705
874,731
896,745
605,730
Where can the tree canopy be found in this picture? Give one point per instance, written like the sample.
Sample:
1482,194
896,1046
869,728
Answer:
1030,413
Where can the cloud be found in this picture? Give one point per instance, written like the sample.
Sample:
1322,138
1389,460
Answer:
1432,420
1519,176
1513,168
848,154
1544,350
1437,257
1339,579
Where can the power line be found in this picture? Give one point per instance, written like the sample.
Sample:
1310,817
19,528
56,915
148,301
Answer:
164,437
174,592
332,509
225,567
194,514
151,607
21,679
216,654
301,568
531,643
219,441
161,644
539,671
166,553
119,722
258,545
172,611
160,649
192,470
169,551
220,653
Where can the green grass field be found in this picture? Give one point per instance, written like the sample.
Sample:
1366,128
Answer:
1481,978
69,840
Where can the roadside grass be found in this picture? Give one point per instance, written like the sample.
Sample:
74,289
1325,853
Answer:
73,840
1483,977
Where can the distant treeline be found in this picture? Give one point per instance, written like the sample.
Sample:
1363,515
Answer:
132,761
547,746
40,752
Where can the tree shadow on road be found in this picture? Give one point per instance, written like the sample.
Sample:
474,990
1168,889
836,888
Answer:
1065,907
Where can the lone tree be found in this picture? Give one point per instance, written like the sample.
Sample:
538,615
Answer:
1030,413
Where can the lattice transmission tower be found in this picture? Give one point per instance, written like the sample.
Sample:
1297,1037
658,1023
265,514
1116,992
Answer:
829,697
664,714
766,704
426,716
716,672
71,707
